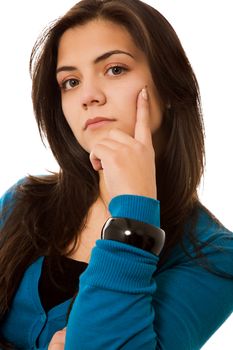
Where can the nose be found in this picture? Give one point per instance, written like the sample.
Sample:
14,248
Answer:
92,95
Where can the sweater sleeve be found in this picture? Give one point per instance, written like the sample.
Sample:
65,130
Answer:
191,303
114,309
125,303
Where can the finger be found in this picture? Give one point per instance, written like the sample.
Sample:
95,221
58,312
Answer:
58,340
56,346
110,143
121,137
95,162
142,127
97,155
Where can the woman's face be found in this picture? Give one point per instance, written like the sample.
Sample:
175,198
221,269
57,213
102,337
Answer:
100,72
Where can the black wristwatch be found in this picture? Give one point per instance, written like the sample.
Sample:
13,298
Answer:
136,233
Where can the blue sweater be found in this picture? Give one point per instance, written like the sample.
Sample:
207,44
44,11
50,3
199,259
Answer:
124,301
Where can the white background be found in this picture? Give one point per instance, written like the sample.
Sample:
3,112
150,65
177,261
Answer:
205,29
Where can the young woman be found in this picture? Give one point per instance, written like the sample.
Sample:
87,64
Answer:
82,254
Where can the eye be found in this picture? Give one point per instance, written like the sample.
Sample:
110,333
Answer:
69,84
116,70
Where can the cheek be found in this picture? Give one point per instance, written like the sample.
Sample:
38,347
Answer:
127,101
67,110
130,100
70,114
128,105
127,109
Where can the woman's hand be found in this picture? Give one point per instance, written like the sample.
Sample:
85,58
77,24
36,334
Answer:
128,163
58,340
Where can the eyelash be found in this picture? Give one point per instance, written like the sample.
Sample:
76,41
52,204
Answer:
63,84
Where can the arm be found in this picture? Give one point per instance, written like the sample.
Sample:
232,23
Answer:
124,303
190,302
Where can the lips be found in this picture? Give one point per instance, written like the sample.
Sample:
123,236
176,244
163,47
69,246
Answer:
96,120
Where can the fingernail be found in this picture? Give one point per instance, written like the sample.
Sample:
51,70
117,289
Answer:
144,94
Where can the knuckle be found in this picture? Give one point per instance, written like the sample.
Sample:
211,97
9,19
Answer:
96,148
112,132
140,147
115,157
124,152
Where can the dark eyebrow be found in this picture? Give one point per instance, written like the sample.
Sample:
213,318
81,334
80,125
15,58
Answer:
97,60
110,53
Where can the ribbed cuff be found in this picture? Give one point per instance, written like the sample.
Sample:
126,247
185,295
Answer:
121,267
136,207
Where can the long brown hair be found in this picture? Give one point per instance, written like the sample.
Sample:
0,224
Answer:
49,211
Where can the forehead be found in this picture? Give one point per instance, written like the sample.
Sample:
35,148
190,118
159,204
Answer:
94,37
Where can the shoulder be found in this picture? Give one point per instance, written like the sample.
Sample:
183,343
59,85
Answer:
206,229
8,199
26,190
206,242
216,241
209,228
9,193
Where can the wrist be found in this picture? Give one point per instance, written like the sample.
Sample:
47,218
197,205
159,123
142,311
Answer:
134,233
144,209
